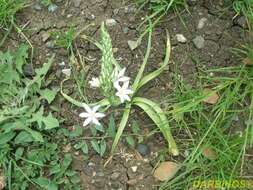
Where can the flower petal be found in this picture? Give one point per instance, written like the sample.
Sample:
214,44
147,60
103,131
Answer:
126,97
122,100
123,79
87,121
87,108
95,108
125,85
99,115
84,115
116,85
128,91
121,72
95,121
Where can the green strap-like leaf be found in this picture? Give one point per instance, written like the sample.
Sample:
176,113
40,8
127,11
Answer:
159,118
157,72
145,60
122,126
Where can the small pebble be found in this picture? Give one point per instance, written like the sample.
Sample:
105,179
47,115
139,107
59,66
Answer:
191,2
37,7
92,17
134,168
242,22
69,15
66,72
91,164
52,8
62,64
45,36
50,44
100,174
125,30
28,70
181,38
115,11
110,22
132,44
199,42
143,149
77,3
115,175
201,23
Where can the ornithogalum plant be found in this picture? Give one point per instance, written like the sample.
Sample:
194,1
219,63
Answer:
115,86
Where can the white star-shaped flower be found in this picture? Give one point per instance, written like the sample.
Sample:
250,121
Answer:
123,92
120,77
94,82
91,115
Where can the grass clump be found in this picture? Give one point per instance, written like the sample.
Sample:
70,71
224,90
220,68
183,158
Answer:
223,128
244,7
8,9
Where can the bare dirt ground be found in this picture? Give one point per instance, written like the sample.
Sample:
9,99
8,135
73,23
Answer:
219,32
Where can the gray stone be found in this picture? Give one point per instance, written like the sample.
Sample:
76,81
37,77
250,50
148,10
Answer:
52,8
125,30
191,2
181,38
143,149
28,70
199,42
201,23
100,174
116,11
110,22
45,36
50,45
77,3
37,7
132,44
242,22
115,175
130,9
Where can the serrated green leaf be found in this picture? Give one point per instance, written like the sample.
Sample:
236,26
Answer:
55,169
93,131
50,122
23,137
95,146
6,137
19,152
135,127
67,160
47,94
85,148
75,179
21,56
76,132
52,186
130,140
100,128
102,147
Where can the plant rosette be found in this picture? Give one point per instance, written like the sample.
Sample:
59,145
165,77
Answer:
114,85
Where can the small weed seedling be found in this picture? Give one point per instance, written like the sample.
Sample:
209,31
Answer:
114,85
